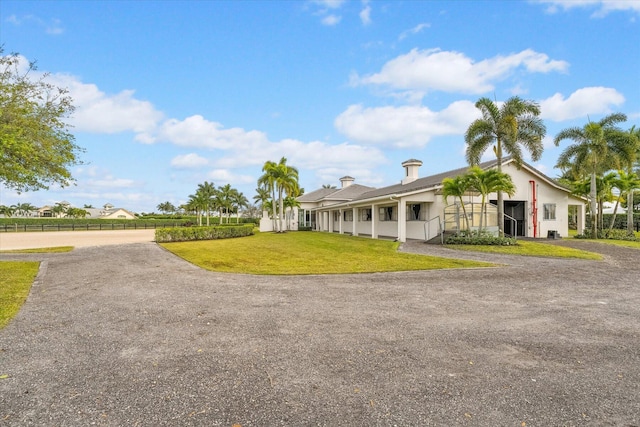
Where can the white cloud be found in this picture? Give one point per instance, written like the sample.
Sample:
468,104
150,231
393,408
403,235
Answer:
582,102
226,176
602,7
189,161
415,30
98,112
53,26
331,20
196,131
329,4
450,71
406,126
365,15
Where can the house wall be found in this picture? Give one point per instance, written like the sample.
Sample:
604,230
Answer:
545,194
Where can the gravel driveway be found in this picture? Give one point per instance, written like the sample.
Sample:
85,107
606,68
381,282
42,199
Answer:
130,335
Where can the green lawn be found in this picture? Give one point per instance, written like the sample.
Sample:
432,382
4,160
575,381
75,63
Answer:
307,253
16,278
528,248
51,250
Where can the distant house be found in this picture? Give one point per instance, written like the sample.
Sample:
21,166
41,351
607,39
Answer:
416,209
110,213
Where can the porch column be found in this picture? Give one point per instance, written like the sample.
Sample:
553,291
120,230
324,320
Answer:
374,231
355,221
340,223
402,221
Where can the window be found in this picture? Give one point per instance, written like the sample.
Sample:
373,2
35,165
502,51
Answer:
336,216
365,214
413,212
348,215
388,213
549,211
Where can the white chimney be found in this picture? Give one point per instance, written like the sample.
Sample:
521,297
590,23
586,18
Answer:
411,167
346,181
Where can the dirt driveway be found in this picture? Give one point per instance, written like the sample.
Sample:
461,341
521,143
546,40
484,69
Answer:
78,239
130,335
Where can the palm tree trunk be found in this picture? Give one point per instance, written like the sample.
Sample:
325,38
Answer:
281,202
630,213
594,207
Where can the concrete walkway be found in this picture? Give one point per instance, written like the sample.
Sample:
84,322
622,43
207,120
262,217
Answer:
130,335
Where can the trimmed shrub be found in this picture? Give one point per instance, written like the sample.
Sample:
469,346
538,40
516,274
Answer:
480,238
184,234
614,234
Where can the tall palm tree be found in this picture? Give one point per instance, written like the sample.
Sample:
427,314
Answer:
510,127
596,149
489,181
633,159
268,181
207,192
224,200
199,203
287,185
457,187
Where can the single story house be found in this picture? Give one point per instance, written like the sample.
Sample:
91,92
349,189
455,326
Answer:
416,209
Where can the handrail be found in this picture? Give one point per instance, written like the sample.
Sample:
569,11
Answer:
514,224
427,235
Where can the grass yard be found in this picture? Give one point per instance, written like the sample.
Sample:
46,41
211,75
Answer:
528,248
51,250
16,278
307,253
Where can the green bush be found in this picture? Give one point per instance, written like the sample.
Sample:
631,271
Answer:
480,238
183,234
614,234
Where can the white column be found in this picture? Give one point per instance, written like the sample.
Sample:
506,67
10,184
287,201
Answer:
402,221
355,221
340,223
374,215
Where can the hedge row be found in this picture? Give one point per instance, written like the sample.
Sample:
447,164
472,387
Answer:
184,234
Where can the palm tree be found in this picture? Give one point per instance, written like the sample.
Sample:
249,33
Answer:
268,181
262,197
289,203
328,186
24,209
238,201
625,183
633,158
224,200
457,187
287,184
207,193
489,181
58,209
7,211
166,207
596,149
198,202
514,124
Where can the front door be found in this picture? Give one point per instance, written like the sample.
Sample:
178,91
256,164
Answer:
515,210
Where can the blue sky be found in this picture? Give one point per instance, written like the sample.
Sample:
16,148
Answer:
172,93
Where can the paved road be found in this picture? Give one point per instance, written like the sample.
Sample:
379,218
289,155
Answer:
127,335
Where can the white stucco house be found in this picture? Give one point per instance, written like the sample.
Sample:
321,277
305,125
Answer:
415,208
